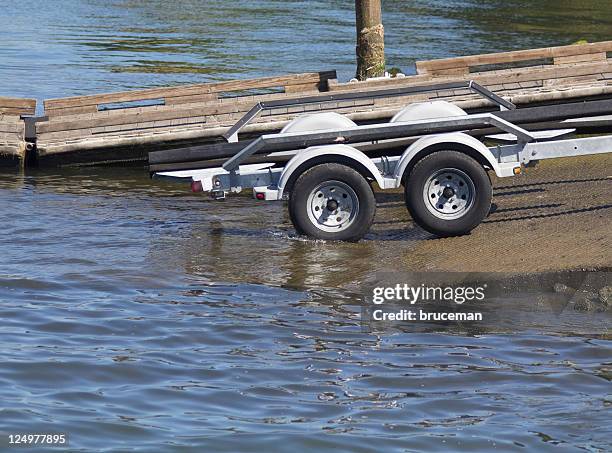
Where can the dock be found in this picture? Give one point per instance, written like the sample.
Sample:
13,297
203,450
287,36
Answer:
122,128
12,130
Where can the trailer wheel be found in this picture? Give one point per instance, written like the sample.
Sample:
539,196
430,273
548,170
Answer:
332,202
448,193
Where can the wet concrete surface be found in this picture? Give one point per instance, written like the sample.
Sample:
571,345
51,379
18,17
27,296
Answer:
557,216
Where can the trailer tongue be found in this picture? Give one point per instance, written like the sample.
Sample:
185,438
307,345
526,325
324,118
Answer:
327,176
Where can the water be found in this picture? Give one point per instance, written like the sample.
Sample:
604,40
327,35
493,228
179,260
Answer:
137,316
84,46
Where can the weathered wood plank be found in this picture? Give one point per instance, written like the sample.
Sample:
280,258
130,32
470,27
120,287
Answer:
432,66
531,84
11,127
125,96
270,82
12,156
16,111
302,88
245,103
187,90
379,84
212,110
114,120
71,111
572,82
20,106
552,72
462,71
600,56
507,76
11,137
12,151
17,103
179,100
10,147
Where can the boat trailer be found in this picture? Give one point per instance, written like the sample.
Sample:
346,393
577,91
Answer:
320,163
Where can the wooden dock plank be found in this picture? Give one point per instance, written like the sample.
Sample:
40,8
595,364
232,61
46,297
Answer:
507,76
191,99
599,56
97,146
17,106
12,129
76,122
183,94
201,113
433,66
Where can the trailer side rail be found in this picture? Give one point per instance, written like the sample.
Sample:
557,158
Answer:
232,134
373,133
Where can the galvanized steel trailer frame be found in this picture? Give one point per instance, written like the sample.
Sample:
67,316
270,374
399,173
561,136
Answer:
232,134
591,115
504,159
333,146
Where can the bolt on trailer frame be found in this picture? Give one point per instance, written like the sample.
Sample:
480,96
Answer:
443,172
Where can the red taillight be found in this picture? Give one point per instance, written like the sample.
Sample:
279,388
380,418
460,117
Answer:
260,196
196,186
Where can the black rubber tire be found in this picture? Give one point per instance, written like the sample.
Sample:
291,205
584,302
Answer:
415,183
309,180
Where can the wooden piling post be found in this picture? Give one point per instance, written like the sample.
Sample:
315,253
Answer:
370,39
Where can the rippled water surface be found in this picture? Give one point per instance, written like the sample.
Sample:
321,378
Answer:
136,316
68,47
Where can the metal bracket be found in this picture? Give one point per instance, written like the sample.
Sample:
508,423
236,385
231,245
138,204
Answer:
30,126
218,194
386,165
501,102
233,163
232,135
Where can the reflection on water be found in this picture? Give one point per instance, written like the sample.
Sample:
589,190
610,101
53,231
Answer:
139,316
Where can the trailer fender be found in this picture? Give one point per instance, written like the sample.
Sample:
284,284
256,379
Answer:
318,121
427,111
326,154
453,141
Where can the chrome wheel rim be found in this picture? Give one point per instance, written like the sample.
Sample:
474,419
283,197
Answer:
449,193
332,206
